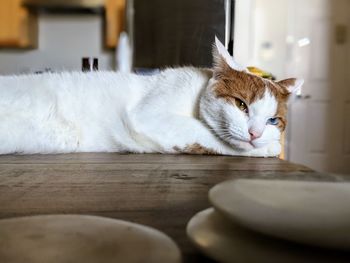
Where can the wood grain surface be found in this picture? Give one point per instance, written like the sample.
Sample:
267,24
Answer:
161,191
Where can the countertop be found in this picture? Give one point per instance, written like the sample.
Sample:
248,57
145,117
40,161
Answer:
161,191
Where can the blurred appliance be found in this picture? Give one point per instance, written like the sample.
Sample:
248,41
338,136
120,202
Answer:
177,33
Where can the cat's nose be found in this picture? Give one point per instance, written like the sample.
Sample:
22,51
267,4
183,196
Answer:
254,134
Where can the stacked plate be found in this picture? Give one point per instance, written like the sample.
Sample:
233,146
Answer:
275,221
80,238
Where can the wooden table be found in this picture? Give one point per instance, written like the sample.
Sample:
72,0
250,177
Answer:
161,191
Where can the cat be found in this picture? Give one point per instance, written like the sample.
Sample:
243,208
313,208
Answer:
224,110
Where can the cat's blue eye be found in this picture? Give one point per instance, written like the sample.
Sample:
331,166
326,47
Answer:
273,121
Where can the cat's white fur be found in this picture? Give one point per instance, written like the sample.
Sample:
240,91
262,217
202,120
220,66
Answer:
125,112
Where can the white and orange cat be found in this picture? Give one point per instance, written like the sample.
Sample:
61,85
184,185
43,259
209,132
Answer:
225,110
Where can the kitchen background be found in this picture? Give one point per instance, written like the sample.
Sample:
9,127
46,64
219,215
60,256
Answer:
307,39
303,38
63,41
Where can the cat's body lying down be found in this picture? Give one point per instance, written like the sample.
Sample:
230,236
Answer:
221,111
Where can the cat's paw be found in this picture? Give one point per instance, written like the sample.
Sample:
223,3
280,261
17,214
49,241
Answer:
271,150
274,149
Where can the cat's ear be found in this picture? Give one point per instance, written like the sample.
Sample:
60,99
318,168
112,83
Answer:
223,59
292,84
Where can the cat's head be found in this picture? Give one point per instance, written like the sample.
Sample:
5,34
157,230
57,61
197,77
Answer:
243,109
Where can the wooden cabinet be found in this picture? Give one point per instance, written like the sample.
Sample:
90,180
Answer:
18,27
115,21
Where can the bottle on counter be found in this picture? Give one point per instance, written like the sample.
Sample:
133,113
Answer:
89,64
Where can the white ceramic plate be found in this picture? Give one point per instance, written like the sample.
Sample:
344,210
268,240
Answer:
316,213
77,238
225,241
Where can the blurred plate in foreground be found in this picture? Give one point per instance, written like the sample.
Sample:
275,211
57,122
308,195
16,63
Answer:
225,241
316,213
78,238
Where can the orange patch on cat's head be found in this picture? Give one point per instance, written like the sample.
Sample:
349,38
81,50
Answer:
233,84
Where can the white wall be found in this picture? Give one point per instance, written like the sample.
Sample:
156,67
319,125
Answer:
261,28
63,41
244,32
271,29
